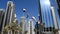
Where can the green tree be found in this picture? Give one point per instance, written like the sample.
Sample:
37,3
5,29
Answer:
13,27
26,32
55,31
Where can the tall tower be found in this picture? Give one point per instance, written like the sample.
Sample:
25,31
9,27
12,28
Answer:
9,14
31,27
46,15
1,18
23,24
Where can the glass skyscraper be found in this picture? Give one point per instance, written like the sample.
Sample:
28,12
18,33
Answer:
54,4
46,13
47,16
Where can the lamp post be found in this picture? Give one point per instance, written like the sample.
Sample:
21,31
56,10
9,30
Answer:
26,13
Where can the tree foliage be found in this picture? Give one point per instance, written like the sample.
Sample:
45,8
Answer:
13,27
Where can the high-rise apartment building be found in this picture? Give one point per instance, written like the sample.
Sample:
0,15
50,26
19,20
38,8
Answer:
23,24
31,27
9,14
1,18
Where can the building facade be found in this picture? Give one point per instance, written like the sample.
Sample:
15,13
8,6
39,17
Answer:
1,19
9,14
31,27
54,18
54,3
23,24
47,16
56,7
46,13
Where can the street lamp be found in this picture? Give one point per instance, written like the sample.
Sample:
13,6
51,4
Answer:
26,13
24,10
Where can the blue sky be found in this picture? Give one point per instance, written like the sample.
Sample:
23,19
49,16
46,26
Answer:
31,7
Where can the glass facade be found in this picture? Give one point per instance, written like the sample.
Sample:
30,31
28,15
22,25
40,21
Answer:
46,13
47,17
54,4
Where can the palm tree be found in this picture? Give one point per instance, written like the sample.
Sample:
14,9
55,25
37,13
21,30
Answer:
6,29
55,31
12,27
25,32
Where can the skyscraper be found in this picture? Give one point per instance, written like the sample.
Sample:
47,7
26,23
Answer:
56,10
46,15
23,24
49,15
54,18
9,14
31,27
58,4
1,19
